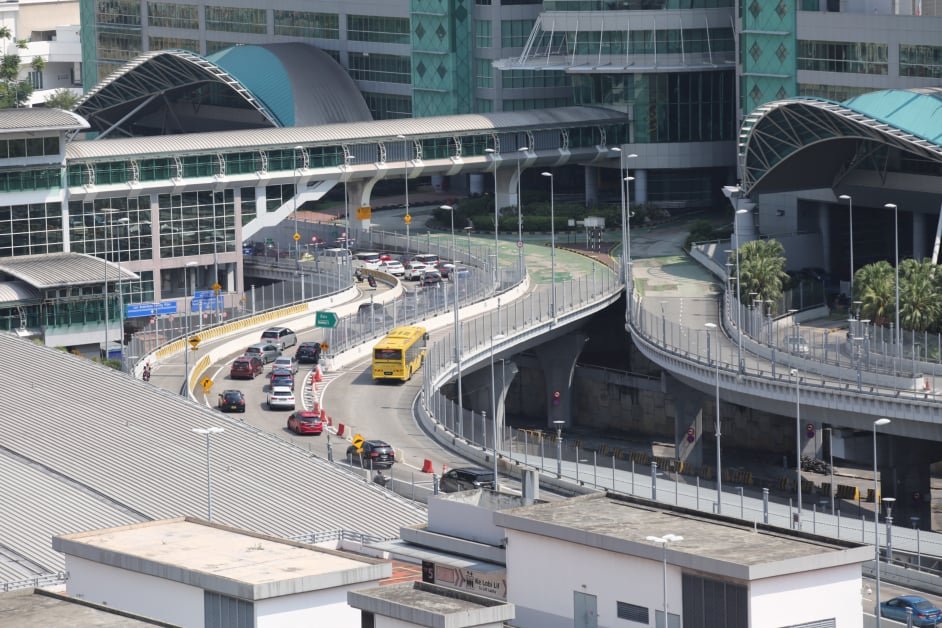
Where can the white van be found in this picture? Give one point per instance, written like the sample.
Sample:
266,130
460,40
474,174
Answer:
367,259
341,255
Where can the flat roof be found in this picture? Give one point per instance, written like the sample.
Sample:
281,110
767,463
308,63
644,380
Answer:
427,604
28,608
713,544
222,559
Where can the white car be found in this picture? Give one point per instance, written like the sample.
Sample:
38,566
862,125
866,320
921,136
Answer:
280,397
393,267
414,270
367,260
285,362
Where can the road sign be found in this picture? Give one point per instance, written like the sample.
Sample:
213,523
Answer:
204,294
204,305
325,319
358,441
144,310
166,307
519,244
216,287
407,219
207,384
194,342
364,213
296,236
324,346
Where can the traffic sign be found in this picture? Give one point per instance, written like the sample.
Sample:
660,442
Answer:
358,441
296,236
407,218
207,384
324,346
325,319
364,213
216,287
144,310
204,294
194,342
519,244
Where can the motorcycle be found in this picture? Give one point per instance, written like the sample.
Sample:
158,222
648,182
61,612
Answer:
146,374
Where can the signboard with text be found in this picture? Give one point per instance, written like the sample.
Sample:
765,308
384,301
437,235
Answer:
142,310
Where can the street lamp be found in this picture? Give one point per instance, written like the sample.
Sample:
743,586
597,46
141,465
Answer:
454,253
711,327
734,193
552,239
522,149
896,243
405,167
346,203
876,517
107,211
494,155
186,335
888,519
624,182
797,376
207,432
559,447
297,174
495,338
850,205
663,541
830,432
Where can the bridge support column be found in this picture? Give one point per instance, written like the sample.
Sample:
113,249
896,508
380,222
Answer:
919,235
905,475
591,186
640,186
824,226
358,195
688,422
558,358
477,387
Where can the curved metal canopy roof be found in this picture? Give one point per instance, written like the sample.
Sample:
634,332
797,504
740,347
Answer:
55,270
176,91
808,142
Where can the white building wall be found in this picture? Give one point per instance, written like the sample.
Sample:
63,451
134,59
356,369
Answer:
807,597
382,621
326,607
544,573
133,592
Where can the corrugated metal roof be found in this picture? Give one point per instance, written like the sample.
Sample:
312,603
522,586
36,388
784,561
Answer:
13,292
53,270
917,111
40,119
354,132
106,446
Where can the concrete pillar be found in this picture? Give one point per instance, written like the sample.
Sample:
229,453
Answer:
591,186
640,194
261,204
358,196
558,358
476,386
476,184
688,421
824,227
904,464
919,235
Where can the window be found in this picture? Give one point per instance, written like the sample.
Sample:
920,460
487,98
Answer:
236,20
171,15
36,79
33,229
839,56
173,43
514,33
632,612
483,73
307,24
118,12
710,603
371,28
920,60
482,34
380,68
388,106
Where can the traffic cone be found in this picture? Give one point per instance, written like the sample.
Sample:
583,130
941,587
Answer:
330,421
323,415
427,466
317,374
317,407
340,428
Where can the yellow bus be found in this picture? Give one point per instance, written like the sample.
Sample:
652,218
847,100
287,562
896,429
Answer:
399,354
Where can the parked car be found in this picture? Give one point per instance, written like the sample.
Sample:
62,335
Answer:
367,259
308,353
245,368
374,454
466,479
285,362
281,336
431,278
394,267
264,351
280,397
413,271
232,401
305,422
924,612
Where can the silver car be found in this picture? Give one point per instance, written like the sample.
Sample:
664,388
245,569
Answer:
285,362
264,351
281,397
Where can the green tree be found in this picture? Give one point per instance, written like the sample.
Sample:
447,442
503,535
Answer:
13,91
762,267
62,99
875,288
918,294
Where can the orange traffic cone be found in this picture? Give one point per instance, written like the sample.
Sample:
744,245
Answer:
323,414
427,466
340,428
317,374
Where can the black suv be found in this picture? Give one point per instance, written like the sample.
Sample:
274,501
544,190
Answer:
466,479
375,454
308,353
232,401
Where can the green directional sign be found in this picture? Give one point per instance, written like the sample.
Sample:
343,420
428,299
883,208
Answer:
325,319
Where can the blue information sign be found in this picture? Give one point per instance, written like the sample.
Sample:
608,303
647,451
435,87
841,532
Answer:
204,294
142,310
206,305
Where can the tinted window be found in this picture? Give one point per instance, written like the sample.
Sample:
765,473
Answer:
387,354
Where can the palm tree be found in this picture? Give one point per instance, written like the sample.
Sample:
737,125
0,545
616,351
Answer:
762,266
875,288
919,306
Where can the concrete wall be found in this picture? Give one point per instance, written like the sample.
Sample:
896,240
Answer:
807,597
327,607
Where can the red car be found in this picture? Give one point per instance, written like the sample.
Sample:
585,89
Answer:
245,368
305,422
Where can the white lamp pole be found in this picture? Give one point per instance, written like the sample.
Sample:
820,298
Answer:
346,202
126,222
552,240
850,205
522,149
559,447
297,174
624,182
896,242
876,518
186,334
663,541
207,432
495,338
494,154
711,327
454,253
797,376
405,167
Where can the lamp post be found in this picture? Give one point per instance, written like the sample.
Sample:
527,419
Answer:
888,519
797,376
454,253
346,202
711,327
876,518
850,205
207,432
495,338
896,244
522,149
125,221
297,175
663,541
559,447
830,432
624,182
106,216
552,240
405,167
186,334
738,284
494,155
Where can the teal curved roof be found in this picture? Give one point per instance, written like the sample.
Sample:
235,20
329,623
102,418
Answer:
916,111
